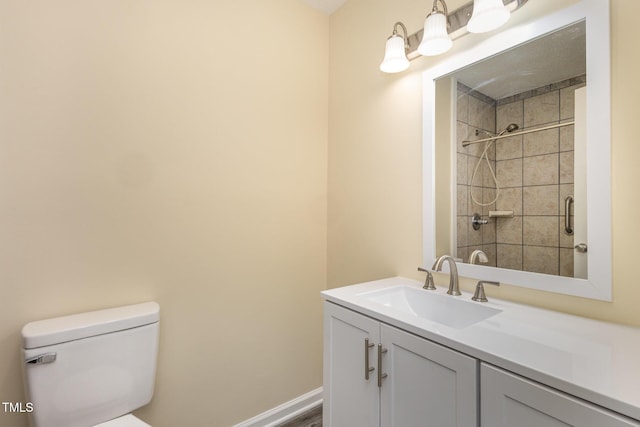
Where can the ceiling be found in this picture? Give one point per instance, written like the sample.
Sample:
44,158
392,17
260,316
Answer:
326,6
549,59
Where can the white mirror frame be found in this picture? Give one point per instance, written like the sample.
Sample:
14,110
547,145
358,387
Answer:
598,284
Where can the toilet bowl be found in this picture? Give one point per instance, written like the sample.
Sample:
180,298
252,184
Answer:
91,369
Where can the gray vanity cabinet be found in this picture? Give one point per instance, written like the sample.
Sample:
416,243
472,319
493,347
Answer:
510,400
378,375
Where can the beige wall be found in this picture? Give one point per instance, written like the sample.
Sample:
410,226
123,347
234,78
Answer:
375,213
172,151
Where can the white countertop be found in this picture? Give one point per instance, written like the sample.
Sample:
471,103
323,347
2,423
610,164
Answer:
596,361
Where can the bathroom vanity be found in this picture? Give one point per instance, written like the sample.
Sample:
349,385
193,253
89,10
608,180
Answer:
398,355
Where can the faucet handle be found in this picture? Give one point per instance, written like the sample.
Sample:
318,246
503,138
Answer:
428,283
479,294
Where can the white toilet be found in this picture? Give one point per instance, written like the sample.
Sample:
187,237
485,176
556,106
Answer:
91,369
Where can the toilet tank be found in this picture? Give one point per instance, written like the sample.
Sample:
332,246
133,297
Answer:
88,368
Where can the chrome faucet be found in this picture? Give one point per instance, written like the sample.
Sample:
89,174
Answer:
478,255
454,289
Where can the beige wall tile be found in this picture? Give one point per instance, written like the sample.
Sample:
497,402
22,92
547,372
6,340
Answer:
566,262
474,149
509,148
490,250
489,231
543,142
540,200
542,109
540,259
509,256
475,180
487,170
567,101
462,168
462,133
540,170
463,253
566,138
565,190
475,195
474,236
462,200
510,200
462,228
566,167
509,113
509,173
481,114
488,195
540,230
509,230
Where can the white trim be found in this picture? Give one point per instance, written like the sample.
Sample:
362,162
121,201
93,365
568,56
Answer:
287,411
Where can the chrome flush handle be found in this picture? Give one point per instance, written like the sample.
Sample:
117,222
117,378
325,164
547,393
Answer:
42,358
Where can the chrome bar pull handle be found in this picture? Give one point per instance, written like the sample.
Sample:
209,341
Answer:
381,376
568,229
367,369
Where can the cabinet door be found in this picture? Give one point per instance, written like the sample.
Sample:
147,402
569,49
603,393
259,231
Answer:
350,400
509,400
428,385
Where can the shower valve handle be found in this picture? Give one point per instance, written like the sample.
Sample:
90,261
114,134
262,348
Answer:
477,221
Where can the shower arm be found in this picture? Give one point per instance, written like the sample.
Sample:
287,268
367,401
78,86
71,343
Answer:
466,143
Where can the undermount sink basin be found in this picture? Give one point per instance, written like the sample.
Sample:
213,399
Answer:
444,309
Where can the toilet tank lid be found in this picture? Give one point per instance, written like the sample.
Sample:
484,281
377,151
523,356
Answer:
77,326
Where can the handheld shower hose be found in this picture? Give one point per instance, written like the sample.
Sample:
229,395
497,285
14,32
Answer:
510,128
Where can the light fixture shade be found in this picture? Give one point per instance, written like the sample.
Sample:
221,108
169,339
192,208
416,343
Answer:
487,15
435,39
395,58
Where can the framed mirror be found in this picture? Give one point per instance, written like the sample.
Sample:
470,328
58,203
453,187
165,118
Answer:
516,155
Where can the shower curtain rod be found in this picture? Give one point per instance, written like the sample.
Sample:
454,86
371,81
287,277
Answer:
466,143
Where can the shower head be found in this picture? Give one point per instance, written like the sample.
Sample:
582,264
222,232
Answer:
509,128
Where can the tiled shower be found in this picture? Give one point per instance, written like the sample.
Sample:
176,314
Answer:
534,172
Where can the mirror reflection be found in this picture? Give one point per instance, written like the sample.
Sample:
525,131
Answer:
520,161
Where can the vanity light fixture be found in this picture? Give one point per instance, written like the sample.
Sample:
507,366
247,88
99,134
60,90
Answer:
441,28
395,55
487,15
435,38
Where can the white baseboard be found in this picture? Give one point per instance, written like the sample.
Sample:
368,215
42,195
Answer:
287,411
